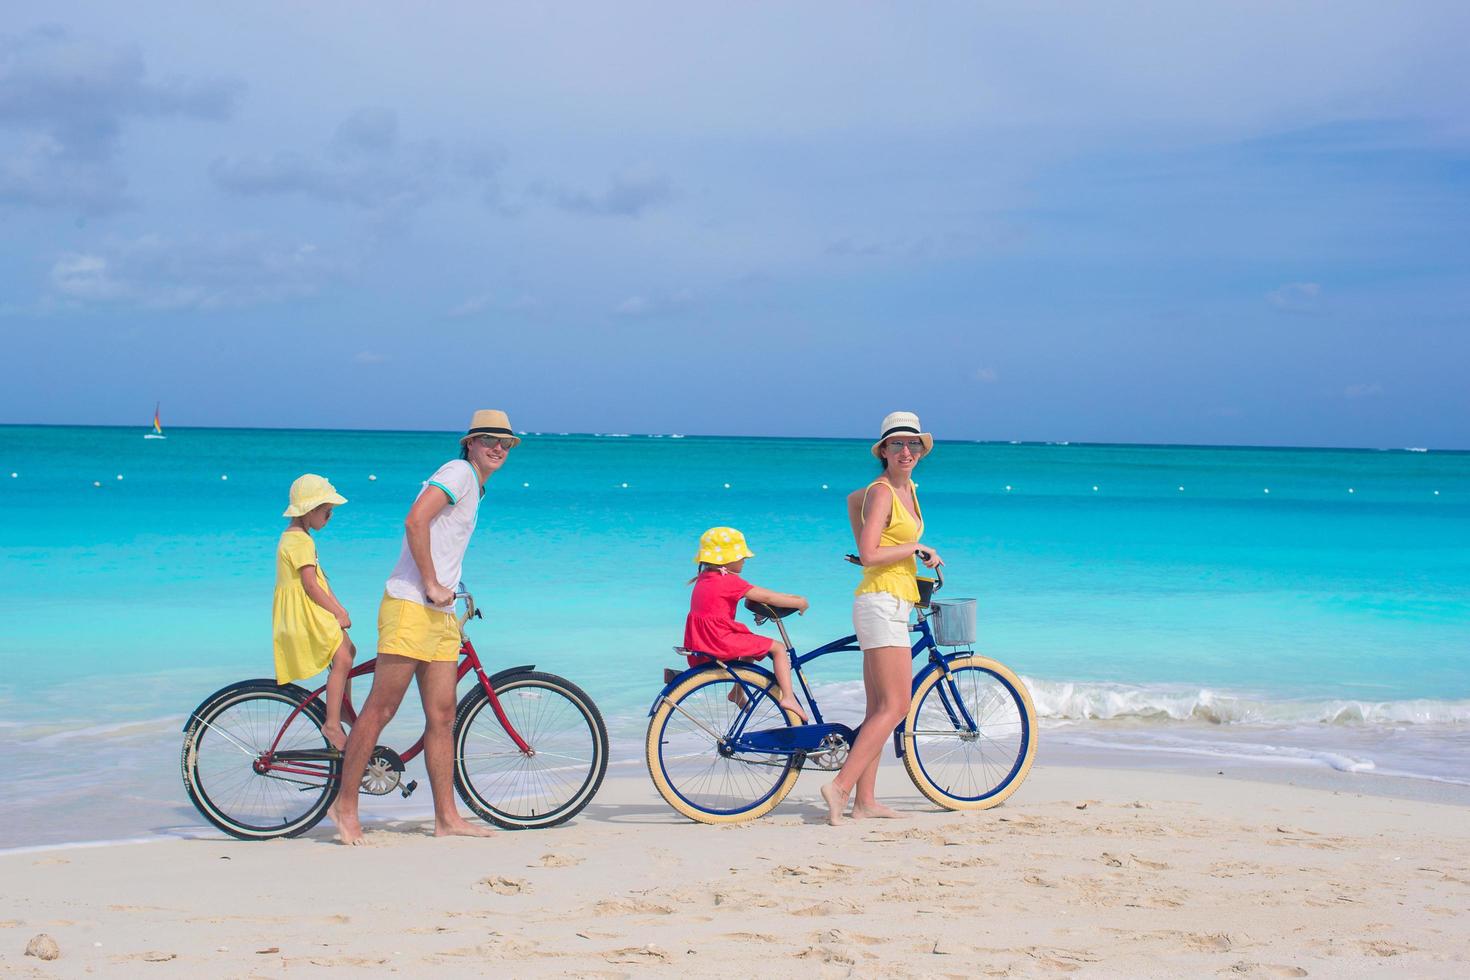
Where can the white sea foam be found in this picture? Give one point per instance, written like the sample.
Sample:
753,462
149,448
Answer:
1064,701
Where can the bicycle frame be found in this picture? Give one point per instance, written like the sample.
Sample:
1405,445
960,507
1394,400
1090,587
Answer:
808,738
279,761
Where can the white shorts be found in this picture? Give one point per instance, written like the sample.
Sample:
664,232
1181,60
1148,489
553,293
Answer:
881,619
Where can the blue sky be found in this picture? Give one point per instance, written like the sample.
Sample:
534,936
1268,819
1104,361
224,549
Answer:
1215,223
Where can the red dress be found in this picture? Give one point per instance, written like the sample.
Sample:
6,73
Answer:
711,630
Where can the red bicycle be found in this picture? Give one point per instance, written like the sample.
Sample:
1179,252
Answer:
530,750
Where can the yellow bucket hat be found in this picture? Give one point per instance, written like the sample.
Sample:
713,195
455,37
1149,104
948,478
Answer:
311,491
721,546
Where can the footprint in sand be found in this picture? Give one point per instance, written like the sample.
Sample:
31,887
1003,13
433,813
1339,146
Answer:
634,906
1247,969
1036,879
557,861
501,885
841,937
637,954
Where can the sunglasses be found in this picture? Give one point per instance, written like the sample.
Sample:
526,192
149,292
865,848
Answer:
490,442
914,446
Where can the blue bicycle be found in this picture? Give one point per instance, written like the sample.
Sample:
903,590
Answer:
721,750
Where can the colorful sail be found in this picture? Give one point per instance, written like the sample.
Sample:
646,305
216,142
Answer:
156,427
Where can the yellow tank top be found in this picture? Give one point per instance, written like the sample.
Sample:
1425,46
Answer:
897,578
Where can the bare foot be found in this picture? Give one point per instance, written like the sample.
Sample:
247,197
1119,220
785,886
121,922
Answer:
737,696
349,831
335,735
460,827
790,704
868,811
836,800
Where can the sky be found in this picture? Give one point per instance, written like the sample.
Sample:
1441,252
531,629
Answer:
1223,223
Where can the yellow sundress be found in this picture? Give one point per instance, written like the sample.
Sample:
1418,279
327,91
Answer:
306,635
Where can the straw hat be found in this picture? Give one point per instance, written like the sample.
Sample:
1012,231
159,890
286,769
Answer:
490,422
721,546
898,424
309,492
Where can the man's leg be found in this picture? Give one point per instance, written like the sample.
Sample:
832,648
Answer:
390,680
436,689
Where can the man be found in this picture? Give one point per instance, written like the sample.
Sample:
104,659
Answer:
418,634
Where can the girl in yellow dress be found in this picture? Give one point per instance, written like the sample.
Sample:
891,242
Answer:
310,624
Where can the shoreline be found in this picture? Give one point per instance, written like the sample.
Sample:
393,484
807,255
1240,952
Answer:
1102,872
1055,753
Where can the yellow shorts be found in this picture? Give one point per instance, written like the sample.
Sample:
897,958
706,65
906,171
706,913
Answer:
410,629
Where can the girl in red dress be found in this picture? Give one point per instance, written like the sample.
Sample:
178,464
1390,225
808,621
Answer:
711,630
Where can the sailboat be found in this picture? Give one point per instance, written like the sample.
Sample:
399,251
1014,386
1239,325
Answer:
157,432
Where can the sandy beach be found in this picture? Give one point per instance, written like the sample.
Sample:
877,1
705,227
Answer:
1086,871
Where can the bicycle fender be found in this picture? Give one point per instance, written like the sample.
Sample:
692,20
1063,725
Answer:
295,689
694,670
502,674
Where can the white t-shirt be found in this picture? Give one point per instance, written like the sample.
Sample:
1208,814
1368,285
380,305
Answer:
449,533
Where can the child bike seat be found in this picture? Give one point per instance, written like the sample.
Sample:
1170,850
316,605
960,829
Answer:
764,612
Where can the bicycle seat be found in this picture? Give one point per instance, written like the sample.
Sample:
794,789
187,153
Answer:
764,612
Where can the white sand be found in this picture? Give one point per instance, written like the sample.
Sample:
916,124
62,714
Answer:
1161,874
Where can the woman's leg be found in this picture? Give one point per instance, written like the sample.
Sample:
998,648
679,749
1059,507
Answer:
337,683
887,672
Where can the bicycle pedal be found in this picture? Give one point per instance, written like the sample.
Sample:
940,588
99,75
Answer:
407,788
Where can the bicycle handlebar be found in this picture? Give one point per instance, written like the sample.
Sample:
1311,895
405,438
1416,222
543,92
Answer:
470,612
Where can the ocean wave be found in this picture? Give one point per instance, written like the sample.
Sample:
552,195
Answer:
1064,701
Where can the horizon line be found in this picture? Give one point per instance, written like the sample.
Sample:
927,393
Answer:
708,435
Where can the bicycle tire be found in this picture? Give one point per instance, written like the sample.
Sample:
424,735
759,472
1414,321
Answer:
686,766
961,770
228,732
510,789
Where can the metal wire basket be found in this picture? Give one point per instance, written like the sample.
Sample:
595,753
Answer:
953,622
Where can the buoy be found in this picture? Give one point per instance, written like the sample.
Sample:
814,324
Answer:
1351,490
824,486
525,484
372,476
16,475
96,483
1094,489
625,486
1008,488
1266,490
119,476
223,476
727,486
1436,493
1181,489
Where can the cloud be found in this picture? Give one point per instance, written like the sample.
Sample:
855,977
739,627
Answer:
473,306
365,164
369,357
1296,297
1371,389
627,195
219,272
638,306
987,375
64,103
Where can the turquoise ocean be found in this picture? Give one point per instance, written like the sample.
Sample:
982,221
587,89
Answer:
1168,605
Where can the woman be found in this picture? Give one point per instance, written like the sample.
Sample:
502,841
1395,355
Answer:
887,523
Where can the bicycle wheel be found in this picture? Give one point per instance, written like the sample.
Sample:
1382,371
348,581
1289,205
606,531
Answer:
687,765
970,770
505,786
225,740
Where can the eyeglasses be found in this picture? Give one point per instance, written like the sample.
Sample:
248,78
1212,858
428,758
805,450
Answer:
914,446
490,442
